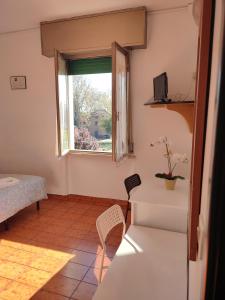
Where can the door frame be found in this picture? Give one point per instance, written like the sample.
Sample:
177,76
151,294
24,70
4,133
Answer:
200,119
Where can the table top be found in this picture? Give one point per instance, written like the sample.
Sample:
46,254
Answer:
155,193
149,264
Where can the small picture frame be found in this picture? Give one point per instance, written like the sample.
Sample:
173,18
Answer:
18,82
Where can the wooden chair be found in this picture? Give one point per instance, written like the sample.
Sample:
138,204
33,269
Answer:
105,223
130,183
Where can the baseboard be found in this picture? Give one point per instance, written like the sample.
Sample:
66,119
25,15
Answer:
57,197
89,199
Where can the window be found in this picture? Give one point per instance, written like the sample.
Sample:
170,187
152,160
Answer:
90,80
93,103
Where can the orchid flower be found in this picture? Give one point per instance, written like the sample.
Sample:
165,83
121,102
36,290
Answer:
172,158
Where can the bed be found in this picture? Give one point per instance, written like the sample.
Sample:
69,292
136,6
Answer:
19,191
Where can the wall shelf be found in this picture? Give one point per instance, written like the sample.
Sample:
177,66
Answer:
185,108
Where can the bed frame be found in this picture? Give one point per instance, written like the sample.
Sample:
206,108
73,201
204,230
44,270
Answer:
6,222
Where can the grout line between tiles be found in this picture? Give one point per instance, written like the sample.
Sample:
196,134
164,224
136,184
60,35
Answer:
24,221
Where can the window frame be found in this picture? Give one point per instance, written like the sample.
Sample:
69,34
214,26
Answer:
61,152
94,54
115,114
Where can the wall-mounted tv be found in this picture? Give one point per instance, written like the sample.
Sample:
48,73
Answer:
160,84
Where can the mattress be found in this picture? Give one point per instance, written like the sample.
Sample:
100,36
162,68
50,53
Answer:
27,190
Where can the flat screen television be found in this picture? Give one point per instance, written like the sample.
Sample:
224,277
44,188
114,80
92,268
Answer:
160,84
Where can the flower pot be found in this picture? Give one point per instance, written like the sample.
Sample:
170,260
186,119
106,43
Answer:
170,184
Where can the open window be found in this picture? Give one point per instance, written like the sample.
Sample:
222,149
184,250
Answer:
120,102
93,102
62,102
90,81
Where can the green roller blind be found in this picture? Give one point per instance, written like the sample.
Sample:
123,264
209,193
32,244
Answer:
90,66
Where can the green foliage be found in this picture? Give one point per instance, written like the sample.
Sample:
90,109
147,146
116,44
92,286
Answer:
105,145
168,176
106,123
87,99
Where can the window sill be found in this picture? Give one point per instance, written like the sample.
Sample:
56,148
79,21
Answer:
90,153
131,155
93,154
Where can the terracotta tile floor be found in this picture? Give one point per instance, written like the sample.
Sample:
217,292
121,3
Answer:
53,254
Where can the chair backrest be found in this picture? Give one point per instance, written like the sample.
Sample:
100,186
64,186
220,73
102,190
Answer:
108,220
131,182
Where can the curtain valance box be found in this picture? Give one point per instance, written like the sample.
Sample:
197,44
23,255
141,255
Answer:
127,27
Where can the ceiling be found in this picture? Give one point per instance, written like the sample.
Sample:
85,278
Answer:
24,14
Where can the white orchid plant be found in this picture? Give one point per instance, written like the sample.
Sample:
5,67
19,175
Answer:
172,159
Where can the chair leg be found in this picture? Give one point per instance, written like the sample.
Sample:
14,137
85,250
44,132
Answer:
38,205
127,211
101,267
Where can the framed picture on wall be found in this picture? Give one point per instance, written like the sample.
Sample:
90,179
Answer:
18,82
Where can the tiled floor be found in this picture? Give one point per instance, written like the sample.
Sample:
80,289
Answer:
53,254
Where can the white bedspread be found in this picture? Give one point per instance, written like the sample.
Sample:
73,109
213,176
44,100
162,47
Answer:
8,181
27,190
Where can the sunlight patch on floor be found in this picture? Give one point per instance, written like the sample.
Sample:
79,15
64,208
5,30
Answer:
24,268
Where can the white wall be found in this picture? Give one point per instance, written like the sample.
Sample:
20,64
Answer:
172,44
28,117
